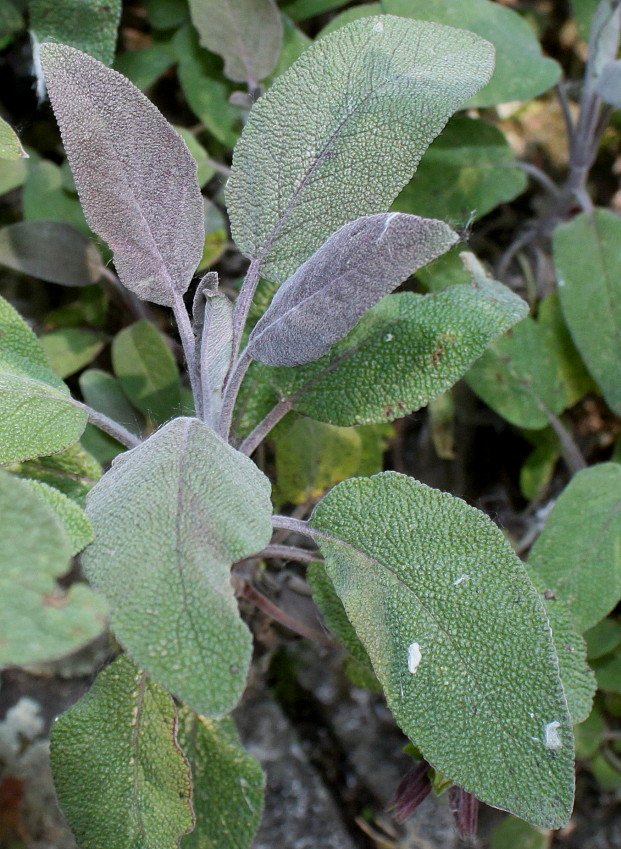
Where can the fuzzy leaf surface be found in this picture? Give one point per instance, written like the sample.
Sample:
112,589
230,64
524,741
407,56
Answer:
170,518
121,778
90,25
41,621
350,273
404,352
72,518
228,784
382,89
588,264
38,416
135,176
578,553
246,33
10,145
415,567
72,471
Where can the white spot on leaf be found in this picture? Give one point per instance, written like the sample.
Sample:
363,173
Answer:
378,27
388,337
460,580
414,657
552,737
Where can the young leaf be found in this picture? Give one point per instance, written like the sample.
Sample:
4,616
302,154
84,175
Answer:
52,251
213,327
176,512
70,349
115,752
467,171
38,416
588,264
10,145
147,370
227,784
358,265
383,97
41,621
579,551
135,176
90,25
246,33
458,638
403,353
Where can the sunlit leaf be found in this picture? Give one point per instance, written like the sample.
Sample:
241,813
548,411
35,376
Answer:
70,349
10,145
72,471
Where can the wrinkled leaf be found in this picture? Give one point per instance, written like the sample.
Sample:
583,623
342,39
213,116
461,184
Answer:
455,631
72,518
403,353
38,416
467,171
70,349
151,213
228,784
116,751
41,621
578,553
382,99
10,145
72,471
89,25
588,264
246,33
170,518
52,251
351,271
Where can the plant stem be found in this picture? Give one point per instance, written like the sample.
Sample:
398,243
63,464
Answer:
243,304
289,552
540,176
109,426
256,436
570,451
288,523
231,391
279,615
188,341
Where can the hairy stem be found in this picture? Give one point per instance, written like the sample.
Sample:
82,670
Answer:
289,552
188,341
256,436
109,426
243,304
231,391
289,523
282,617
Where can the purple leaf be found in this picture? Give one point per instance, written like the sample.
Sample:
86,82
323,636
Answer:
135,177
359,264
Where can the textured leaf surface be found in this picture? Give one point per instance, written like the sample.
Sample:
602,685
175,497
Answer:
467,171
381,90
246,33
578,553
120,775
456,633
212,322
519,376
72,471
147,370
351,271
170,518
588,264
38,416
10,145
41,621
135,177
403,353
228,784
90,25
52,251
72,518
70,349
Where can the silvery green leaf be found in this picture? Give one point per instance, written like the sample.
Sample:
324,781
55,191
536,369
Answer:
121,778
379,91
358,265
458,638
608,85
604,38
170,518
10,145
135,176
69,514
246,33
213,326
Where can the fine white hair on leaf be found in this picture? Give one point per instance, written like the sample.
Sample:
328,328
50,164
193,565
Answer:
414,657
460,580
552,737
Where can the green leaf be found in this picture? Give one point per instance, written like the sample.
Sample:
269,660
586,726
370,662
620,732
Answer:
447,270
246,33
519,377
299,10
383,98
588,735
455,631
517,834
583,13
72,471
10,145
228,784
41,620
467,171
177,511
70,349
89,25
538,469
579,551
45,198
152,213
115,751
147,370
71,516
13,174
145,66
608,673
588,264
11,22
38,415
403,353
167,14
294,44
521,71
52,251
201,157
103,393
603,638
